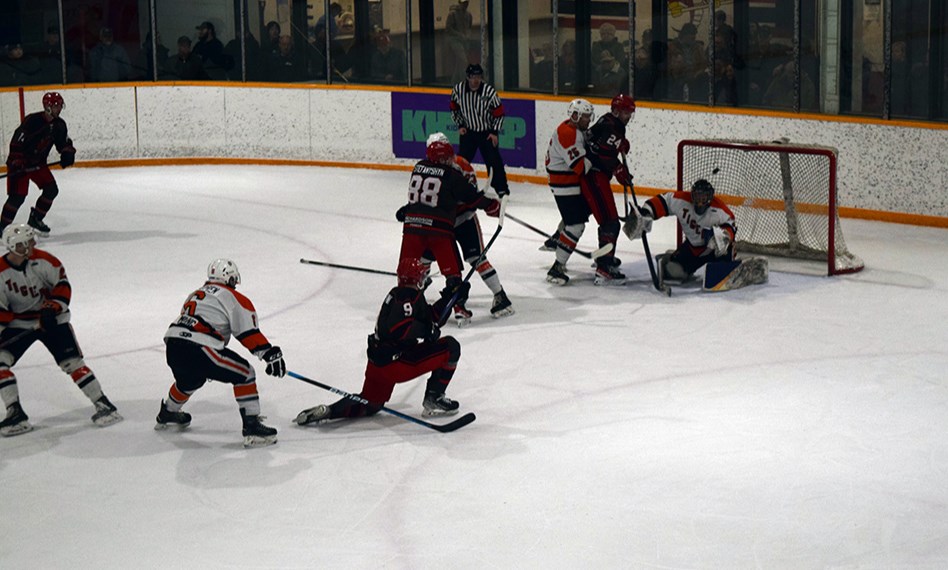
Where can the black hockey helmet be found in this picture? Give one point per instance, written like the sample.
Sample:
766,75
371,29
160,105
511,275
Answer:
701,194
474,69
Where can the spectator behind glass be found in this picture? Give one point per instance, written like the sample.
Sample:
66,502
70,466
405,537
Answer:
108,61
50,57
567,67
210,50
609,42
691,50
272,44
163,55
19,69
541,77
185,65
609,78
779,93
254,54
387,63
457,29
285,66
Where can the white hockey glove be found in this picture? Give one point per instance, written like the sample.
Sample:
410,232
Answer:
720,241
636,224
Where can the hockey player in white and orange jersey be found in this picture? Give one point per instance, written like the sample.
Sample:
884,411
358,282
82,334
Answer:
706,222
196,351
566,165
34,306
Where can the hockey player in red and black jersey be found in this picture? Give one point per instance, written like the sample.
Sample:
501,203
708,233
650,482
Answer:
606,141
29,151
709,229
34,306
196,351
436,192
406,344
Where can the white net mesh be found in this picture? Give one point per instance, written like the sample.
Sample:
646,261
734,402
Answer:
783,196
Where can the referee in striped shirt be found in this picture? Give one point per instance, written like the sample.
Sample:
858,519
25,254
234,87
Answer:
479,115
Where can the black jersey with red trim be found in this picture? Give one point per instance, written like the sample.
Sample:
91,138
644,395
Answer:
603,142
36,136
435,193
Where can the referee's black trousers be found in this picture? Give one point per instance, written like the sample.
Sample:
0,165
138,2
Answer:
470,143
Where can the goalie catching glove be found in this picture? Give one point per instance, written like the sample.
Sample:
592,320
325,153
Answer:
638,223
719,241
274,359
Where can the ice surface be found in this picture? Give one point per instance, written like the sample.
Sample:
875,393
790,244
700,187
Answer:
799,424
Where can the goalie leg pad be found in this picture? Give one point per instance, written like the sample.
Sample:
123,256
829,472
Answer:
728,275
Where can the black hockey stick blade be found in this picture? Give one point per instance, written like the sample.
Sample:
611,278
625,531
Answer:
537,230
349,267
443,428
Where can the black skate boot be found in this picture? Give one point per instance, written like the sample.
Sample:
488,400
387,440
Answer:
502,306
36,222
105,413
437,404
313,416
255,433
550,243
168,418
557,274
16,421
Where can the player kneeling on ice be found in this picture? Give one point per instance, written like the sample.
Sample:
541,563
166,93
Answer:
34,306
406,344
709,229
196,352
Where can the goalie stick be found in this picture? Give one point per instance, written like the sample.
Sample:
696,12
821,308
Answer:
660,286
588,255
28,170
443,428
470,273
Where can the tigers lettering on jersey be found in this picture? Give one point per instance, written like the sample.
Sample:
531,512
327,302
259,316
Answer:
24,290
693,226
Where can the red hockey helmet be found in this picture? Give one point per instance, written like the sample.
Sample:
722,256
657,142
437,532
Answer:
440,151
412,273
53,99
623,102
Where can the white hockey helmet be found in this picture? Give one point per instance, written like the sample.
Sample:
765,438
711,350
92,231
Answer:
19,236
579,107
223,271
440,137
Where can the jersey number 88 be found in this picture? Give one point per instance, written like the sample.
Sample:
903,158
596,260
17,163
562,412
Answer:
424,189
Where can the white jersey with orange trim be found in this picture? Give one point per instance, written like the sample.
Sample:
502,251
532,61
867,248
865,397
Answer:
694,227
24,290
566,159
465,211
215,312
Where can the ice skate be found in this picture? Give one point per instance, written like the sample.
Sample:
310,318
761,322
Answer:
255,433
550,243
16,421
502,306
462,316
557,274
105,413
166,418
36,222
439,405
608,274
313,416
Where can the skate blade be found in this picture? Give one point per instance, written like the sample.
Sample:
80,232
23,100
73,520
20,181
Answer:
108,419
434,413
18,429
177,427
462,322
259,440
503,313
609,282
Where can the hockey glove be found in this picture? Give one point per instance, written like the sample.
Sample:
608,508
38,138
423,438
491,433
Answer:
15,165
624,146
274,359
720,241
67,155
47,315
622,175
637,224
400,213
493,209
435,333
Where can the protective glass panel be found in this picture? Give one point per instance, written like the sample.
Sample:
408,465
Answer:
30,47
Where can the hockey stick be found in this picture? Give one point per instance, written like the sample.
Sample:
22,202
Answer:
588,255
350,267
443,428
28,170
664,288
480,258
17,337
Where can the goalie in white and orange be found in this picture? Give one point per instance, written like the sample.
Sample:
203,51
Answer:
709,229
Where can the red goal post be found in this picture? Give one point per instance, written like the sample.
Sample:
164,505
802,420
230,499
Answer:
783,196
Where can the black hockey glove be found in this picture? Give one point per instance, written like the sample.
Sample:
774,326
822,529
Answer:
47,318
67,156
274,359
435,333
400,213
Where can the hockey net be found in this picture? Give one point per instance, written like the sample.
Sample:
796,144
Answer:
783,196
